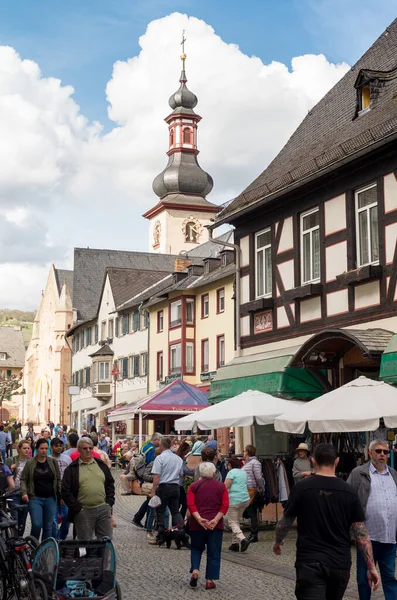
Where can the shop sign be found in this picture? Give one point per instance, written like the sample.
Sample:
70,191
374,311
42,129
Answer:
263,321
207,376
170,378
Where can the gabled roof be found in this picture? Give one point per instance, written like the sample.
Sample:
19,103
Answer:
63,276
332,132
12,344
89,271
104,350
192,282
127,283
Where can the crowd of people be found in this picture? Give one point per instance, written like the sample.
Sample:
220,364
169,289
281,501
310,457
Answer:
64,480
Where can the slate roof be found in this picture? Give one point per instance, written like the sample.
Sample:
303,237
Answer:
127,283
63,276
155,290
193,281
330,133
375,340
103,351
89,271
210,249
12,343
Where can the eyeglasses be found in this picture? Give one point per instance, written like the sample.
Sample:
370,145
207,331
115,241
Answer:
87,449
382,451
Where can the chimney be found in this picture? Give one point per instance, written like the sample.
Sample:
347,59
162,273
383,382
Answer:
181,264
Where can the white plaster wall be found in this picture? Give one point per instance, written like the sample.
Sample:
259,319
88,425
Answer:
287,237
390,238
245,251
286,270
335,260
310,309
335,214
244,289
245,325
390,192
367,294
337,302
282,319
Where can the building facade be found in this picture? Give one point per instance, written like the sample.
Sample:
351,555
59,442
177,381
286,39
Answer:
47,368
317,232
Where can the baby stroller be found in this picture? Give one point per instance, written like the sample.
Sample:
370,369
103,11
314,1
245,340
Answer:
77,569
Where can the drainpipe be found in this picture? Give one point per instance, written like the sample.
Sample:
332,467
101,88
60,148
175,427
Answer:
237,298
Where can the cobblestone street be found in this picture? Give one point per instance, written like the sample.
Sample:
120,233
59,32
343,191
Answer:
155,573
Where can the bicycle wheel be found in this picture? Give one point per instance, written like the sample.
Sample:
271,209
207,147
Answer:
32,544
3,585
40,589
23,579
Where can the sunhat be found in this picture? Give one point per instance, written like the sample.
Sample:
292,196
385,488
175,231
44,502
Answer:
303,446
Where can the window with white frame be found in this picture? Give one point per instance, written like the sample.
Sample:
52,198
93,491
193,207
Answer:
189,357
176,313
205,306
124,367
124,325
103,330
134,365
135,320
367,229
263,250
175,359
310,246
104,371
205,355
220,300
160,321
220,351
3,355
110,328
189,311
143,371
160,366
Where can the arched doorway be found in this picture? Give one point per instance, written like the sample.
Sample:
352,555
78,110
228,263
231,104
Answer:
341,355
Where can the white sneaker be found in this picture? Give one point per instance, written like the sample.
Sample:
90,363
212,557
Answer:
151,539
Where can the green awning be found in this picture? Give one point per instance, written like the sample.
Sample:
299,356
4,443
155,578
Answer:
268,373
388,362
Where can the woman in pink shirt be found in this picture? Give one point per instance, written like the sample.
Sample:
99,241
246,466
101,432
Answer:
208,502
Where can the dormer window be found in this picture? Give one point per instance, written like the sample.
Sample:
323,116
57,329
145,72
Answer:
3,355
365,96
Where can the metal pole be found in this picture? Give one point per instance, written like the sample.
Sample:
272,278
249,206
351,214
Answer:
140,428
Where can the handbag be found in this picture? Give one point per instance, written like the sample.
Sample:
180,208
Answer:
136,487
146,488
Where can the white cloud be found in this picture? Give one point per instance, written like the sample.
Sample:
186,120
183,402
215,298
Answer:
64,181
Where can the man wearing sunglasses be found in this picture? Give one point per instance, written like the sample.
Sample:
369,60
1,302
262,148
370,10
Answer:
376,484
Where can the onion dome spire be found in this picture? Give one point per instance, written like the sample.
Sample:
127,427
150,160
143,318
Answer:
183,178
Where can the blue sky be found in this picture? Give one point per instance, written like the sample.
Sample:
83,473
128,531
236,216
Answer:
78,41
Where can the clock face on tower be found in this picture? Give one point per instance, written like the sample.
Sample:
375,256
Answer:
192,230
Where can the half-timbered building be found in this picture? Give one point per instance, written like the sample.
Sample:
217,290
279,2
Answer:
317,232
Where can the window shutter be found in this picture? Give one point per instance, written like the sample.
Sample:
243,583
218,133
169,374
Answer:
96,333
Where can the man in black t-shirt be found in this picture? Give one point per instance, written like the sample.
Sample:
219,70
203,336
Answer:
326,508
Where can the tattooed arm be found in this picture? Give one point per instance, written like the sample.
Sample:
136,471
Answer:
281,532
364,544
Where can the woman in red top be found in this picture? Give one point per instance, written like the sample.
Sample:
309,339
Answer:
208,502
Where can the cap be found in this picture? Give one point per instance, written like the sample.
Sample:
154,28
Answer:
55,441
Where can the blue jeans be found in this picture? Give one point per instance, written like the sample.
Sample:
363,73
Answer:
151,514
42,513
4,454
19,515
61,533
385,557
213,541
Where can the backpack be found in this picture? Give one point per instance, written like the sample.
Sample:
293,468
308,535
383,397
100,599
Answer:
138,465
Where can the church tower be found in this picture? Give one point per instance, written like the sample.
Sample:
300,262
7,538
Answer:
178,220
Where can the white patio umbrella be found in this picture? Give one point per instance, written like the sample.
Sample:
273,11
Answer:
356,406
239,411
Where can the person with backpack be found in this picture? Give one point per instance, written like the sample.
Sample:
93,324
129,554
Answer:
16,464
148,452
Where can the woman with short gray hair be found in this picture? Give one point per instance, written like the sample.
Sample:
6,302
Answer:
208,502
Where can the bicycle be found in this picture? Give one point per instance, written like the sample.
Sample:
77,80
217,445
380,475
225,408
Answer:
16,554
7,508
